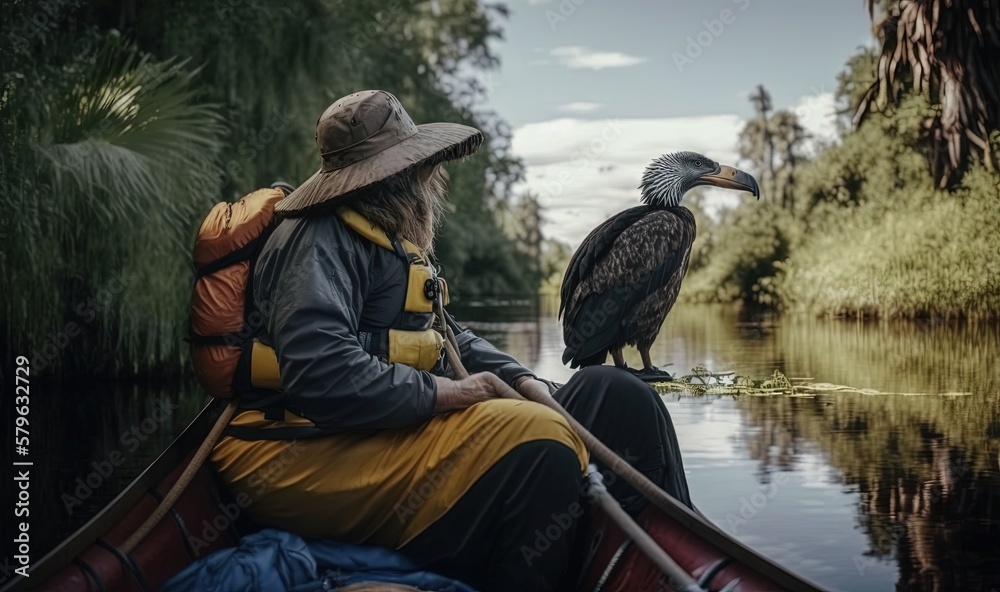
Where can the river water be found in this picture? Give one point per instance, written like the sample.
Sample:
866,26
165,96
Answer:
856,491
891,491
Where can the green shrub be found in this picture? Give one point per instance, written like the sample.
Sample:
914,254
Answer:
871,236
111,173
914,253
746,260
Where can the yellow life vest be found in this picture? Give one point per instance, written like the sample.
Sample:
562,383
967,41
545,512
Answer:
419,348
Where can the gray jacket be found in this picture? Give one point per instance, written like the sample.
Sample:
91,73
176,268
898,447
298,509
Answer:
319,284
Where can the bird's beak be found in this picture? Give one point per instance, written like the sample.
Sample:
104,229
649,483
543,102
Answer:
729,178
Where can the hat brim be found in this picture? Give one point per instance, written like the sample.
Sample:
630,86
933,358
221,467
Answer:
432,144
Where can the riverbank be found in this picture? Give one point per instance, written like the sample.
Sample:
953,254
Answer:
866,235
935,256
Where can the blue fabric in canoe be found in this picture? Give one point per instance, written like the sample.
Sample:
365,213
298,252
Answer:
278,561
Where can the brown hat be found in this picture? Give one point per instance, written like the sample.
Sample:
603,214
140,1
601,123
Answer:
367,137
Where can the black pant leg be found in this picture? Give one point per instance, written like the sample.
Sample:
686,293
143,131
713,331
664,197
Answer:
513,530
629,417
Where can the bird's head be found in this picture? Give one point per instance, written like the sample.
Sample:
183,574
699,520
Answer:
670,176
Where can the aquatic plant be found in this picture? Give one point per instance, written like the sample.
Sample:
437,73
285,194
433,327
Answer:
702,381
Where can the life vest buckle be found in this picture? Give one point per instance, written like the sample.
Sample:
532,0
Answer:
431,289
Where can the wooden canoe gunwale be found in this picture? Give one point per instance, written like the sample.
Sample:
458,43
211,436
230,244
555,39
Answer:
121,505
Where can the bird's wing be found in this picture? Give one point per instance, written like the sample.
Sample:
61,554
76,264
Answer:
645,256
593,249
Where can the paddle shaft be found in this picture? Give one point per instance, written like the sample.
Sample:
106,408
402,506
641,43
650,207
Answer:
599,494
183,481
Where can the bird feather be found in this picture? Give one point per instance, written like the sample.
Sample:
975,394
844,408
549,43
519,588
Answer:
623,280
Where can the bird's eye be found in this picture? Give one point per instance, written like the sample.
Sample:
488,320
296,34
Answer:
697,163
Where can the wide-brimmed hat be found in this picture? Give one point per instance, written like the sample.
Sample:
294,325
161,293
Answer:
367,137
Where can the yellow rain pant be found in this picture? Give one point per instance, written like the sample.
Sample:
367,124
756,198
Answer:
383,487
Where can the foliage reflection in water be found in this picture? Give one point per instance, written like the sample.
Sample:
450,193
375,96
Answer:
859,492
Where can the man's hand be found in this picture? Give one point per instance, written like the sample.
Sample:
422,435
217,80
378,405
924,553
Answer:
459,394
532,389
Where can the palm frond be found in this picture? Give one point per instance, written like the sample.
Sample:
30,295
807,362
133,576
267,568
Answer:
947,50
122,164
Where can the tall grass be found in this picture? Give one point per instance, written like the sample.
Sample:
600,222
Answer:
932,254
870,236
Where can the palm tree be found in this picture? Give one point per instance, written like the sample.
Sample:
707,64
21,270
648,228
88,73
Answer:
946,49
117,169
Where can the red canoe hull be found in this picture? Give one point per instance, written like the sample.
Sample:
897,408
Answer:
618,566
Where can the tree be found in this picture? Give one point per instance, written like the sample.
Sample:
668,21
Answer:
853,84
527,232
788,138
757,143
202,101
108,178
767,139
946,50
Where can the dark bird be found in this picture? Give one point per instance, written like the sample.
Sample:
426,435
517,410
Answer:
625,277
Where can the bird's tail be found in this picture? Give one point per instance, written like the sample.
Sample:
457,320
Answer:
570,353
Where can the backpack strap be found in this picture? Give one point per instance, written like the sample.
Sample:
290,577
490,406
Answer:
244,253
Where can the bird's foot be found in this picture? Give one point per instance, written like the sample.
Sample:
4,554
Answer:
652,374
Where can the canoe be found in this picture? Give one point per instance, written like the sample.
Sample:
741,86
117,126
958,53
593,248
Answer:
604,560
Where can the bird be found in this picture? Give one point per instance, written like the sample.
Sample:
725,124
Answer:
625,276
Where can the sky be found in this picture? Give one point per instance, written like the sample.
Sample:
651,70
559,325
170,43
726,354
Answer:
595,89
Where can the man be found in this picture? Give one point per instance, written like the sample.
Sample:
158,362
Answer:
400,454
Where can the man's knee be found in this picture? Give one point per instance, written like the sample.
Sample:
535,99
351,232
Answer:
523,422
556,458
618,384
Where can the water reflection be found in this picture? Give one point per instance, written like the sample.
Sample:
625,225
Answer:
860,492
89,448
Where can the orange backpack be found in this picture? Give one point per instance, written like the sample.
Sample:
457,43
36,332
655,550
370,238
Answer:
224,318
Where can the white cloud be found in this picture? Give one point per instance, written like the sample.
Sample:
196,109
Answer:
582,58
579,107
587,170
818,114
